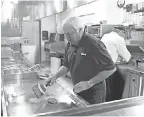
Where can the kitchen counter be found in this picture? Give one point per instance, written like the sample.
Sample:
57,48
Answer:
17,92
133,79
132,68
17,82
126,107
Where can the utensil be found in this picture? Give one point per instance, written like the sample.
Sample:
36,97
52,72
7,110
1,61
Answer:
40,89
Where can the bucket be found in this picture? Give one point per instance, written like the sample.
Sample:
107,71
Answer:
32,52
55,64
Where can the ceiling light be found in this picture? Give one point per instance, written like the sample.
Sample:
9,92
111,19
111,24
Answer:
71,3
57,4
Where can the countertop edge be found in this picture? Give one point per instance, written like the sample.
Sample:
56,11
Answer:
100,108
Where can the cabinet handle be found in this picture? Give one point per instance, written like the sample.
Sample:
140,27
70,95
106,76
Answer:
133,87
140,85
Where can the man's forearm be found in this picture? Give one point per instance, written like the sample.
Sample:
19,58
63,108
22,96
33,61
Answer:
101,76
62,71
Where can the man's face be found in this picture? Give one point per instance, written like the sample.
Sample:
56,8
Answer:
71,34
126,34
122,33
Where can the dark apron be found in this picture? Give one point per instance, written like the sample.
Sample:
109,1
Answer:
114,87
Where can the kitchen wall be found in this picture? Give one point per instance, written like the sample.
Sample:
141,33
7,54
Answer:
94,10
47,24
91,13
114,14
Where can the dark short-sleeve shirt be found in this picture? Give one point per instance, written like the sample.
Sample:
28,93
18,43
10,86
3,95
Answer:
87,59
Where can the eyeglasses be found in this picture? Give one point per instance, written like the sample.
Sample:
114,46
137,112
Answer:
70,33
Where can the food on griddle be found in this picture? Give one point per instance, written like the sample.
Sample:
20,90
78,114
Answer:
52,101
34,100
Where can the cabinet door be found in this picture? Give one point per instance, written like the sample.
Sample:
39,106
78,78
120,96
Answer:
141,86
134,85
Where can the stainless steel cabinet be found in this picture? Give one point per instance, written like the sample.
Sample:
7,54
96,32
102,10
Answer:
136,87
134,83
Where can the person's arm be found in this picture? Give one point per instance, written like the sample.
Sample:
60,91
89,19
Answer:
105,73
101,76
62,71
84,85
65,67
122,49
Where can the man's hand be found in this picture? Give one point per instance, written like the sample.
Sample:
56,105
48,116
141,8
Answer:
81,86
50,80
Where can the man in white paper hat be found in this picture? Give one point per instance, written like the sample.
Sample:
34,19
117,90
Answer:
116,46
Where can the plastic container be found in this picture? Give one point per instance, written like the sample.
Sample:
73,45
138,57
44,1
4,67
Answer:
55,64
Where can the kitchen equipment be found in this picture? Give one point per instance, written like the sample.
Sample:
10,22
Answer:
52,38
99,29
45,35
40,89
135,49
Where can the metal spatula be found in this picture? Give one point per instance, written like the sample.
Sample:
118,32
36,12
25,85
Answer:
39,90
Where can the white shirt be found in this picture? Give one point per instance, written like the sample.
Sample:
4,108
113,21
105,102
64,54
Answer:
116,46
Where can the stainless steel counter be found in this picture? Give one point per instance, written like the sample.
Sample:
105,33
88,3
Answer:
126,107
17,92
17,82
131,67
